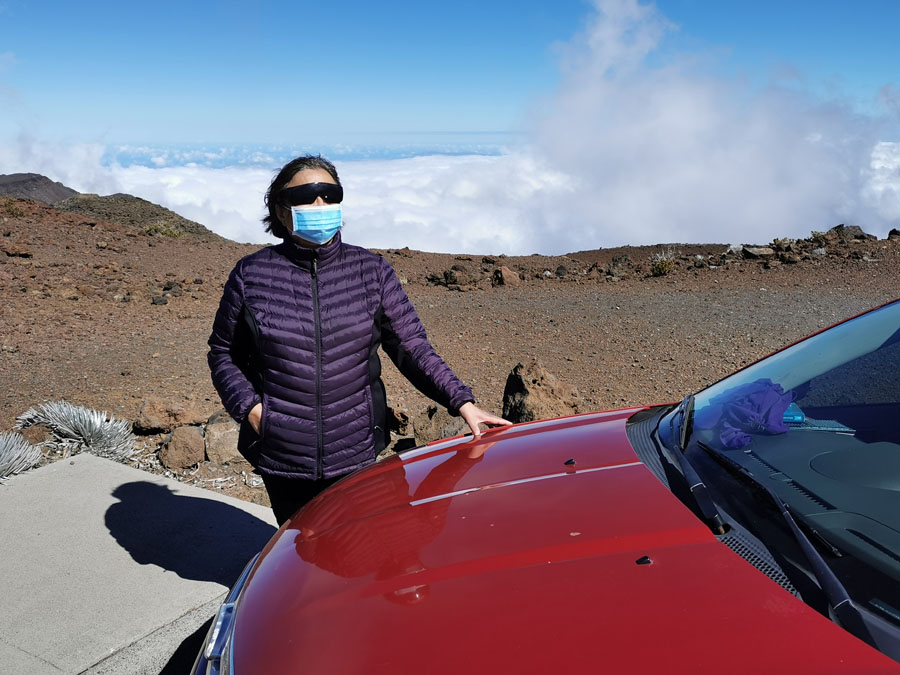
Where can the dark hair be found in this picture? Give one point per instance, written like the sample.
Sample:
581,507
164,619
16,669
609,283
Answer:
288,171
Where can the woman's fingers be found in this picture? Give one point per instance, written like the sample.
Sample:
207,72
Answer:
494,421
475,416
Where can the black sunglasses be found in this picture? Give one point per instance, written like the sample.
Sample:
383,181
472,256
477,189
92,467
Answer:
307,193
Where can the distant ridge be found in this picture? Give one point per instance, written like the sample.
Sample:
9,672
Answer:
135,212
118,208
34,186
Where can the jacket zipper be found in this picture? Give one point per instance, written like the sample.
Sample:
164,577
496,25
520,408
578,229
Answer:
319,439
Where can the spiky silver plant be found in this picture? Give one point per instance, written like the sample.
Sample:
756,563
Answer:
77,428
16,454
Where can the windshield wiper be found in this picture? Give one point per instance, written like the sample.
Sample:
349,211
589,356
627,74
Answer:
696,486
845,612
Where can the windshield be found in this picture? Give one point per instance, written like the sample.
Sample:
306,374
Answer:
819,423
825,382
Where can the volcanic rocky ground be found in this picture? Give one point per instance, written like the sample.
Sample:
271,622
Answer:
107,306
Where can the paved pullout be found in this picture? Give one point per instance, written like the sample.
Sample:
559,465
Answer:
105,566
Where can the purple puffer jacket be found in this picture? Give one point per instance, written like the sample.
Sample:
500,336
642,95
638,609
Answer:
299,330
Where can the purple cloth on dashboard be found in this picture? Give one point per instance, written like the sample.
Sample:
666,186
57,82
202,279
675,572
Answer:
754,407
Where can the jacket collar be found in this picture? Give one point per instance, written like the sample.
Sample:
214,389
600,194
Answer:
303,256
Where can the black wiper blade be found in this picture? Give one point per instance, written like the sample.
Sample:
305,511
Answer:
695,484
687,421
845,612
811,529
681,422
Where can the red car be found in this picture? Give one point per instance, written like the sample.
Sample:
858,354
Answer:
753,527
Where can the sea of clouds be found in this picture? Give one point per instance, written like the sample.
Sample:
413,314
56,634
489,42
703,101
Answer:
635,147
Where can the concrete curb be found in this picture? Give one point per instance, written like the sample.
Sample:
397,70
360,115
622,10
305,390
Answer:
106,568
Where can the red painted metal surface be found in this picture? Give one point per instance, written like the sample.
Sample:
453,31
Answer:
497,556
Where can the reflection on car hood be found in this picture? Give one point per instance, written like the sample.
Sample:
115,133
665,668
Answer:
523,559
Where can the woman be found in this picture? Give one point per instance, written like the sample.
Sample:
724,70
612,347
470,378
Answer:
294,347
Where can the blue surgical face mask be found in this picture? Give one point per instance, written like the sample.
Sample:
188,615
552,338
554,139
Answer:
316,224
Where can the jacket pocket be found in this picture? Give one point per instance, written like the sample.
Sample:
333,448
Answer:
263,417
249,443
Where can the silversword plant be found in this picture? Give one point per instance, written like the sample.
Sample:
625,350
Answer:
79,429
16,454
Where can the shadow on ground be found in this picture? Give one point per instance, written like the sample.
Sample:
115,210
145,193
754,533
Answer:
182,660
197,538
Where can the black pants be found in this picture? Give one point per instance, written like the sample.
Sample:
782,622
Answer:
289,494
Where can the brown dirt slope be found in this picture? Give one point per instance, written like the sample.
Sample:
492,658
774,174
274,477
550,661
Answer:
78,319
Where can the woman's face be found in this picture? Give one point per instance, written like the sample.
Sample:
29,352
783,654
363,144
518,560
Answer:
303,177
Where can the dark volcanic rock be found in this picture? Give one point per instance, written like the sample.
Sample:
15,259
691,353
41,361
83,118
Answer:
436,424
34,186
753,252
534,393
398,421
619,266
849,233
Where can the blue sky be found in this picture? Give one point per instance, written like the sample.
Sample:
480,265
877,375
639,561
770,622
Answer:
258,71
271,71
472,126
831,47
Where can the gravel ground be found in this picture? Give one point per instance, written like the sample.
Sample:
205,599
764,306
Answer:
646,342
78,319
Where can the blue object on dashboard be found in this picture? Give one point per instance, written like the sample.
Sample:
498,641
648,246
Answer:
793,415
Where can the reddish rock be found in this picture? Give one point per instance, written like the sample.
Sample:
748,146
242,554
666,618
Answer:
185,448
221,442
503,276
15,250
158,415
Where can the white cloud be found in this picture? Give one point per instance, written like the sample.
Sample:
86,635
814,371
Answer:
882,188
228,201
668,153
78,165
452,204
510,203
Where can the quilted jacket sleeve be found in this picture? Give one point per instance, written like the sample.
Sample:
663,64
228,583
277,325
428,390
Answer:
237,393
404,341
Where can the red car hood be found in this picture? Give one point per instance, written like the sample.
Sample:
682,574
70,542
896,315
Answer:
523,560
